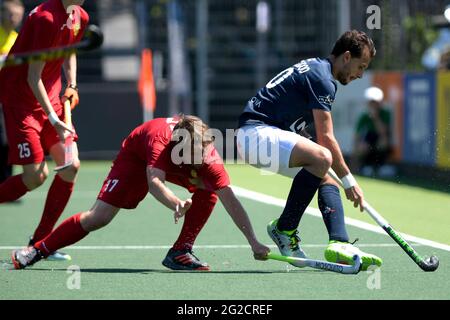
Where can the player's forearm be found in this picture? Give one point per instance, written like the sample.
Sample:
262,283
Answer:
37,86
70,70
238,214
157,188
338,165
163,194
38,89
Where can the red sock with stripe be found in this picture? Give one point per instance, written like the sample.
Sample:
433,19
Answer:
68,232
203,203
12,189
57,197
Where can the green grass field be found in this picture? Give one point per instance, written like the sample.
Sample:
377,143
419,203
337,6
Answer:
123,260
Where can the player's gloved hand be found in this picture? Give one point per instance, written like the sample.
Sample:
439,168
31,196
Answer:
260,251
355,195
181,209
71,93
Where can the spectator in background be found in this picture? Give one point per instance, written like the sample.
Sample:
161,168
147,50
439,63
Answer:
372,143
11,14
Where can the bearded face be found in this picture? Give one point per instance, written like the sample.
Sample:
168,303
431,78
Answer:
353,68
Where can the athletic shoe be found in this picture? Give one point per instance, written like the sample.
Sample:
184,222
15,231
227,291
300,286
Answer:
184,260
25,257
59,256
54,256
343,252
287,243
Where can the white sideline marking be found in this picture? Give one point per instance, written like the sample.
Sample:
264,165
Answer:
226,246
264,198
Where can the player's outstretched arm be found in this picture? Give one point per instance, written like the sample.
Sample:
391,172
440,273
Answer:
156,186
240,218
325,137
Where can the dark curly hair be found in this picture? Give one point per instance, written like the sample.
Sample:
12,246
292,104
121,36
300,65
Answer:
353,41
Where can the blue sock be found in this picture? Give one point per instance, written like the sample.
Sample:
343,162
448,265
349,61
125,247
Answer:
330,204
303,188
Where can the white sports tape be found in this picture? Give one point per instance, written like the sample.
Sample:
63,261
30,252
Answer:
348,181
53,118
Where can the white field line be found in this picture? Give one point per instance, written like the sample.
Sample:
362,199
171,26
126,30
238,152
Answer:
226,246
263,198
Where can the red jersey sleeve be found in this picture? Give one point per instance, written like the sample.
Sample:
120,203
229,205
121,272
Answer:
214,175
158,153
43,31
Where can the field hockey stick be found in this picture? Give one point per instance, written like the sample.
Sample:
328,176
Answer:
318,264
93,38
426,264
68,142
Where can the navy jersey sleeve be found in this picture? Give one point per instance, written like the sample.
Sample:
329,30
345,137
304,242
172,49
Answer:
321,94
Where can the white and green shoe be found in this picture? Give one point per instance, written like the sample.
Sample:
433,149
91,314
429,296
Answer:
59,256
343,252
287,242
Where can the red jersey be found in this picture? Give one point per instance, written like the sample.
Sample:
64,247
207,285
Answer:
150,145
47,26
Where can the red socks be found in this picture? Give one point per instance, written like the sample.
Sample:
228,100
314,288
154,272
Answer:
203,203
68,232
12,189
57,197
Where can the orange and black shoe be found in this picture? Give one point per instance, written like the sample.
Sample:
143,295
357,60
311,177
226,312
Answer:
25,257
184,260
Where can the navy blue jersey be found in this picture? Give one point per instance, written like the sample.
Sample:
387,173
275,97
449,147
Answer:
288,99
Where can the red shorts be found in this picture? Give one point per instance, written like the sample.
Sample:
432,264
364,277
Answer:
30,134
125,186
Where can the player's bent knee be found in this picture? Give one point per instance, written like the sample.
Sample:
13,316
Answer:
74,168
76,165
324,160
69,173
34,179
327,157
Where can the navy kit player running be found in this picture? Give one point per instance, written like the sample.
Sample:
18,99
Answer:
287,128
